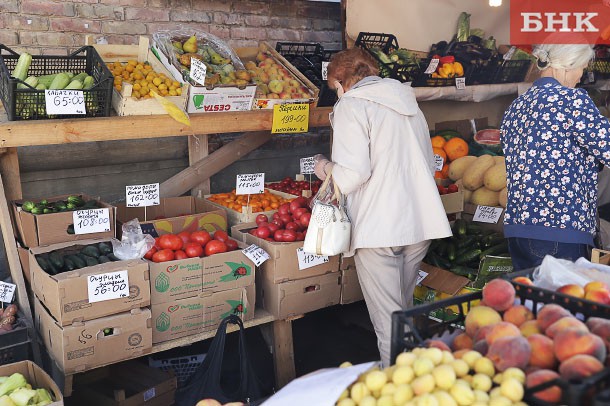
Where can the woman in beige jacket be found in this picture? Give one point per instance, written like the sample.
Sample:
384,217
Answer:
382,161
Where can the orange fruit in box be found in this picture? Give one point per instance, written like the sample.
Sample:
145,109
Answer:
258,202
440,152
438,141
443,173
456,148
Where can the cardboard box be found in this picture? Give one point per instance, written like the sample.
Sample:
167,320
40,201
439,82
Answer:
36,377
492,267
130,383
350,286
600,256
84,345
283,264
294,298
194,315
468,214
175,214
453,202
25,263
180,279
51,228
246,215
66,296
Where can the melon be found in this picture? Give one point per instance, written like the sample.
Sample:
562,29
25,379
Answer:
485,197
503,197
489,139
474,175
459,166
495,178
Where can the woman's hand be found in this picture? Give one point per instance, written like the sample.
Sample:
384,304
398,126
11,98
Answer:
322,166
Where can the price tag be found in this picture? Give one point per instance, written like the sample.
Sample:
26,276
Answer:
256,254
7,292
198,71
325,70
142,195
438,162
91,221
307,165
460,83
290,118
149,394
487,214
65,102
508,55
108,286
421,275
307,260
249,184
432,67
591,77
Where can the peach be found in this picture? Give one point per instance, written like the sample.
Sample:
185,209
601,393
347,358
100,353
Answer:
480,316
572,290
481,347
530,327
600,296
549,314
518,314
499,294
536,378
482,333
502,329
573,341
579,367
438,344
594,322
543,355
564,323
596,285
506,352
601,328
524,280
461,342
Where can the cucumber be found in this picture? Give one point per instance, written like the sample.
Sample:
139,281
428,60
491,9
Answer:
495,249
467,241
70,229
459,227
463,270
473,228
56,259
91,251
43,263
68,264
89,261
60,81
103,259
492,239
468,256
441,248
451,251
439,261
78,261
104,248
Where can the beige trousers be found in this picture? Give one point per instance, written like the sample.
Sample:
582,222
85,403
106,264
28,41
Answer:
387,277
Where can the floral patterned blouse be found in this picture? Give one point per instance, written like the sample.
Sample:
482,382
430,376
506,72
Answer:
553,139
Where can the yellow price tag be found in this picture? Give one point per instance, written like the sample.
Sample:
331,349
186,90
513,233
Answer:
290,118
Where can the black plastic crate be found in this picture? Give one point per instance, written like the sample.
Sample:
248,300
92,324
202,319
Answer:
412,327
426,80
29,103
299,48
510,71
386,42
15,344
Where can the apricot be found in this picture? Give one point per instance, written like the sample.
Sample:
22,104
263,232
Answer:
502,329
573,341
549,314
499,294
517,315
530,327
536,378
480,316
565,323
579,367
462,341
572,290
506,352
543,355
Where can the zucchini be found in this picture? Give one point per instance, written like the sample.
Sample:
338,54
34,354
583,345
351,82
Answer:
78,261
80,77
47,79
60,81
74,85
468,256
56,259
43,263
104,248
91,251
23,65
88,82
31,81
460,227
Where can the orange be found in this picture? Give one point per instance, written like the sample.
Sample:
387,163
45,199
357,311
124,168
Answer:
443,173
456,148
441,152
438,141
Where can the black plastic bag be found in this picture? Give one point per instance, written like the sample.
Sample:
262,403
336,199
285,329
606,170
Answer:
206,381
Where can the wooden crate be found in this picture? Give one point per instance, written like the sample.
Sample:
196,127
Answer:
122,102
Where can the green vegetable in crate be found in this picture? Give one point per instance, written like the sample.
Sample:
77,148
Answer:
14,382
104,248
91,251
60,81
23,65
463,27
76,200
28,206
31,81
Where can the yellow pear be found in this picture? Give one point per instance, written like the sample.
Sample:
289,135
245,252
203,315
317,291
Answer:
190,45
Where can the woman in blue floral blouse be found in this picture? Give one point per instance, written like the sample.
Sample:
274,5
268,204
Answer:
553,138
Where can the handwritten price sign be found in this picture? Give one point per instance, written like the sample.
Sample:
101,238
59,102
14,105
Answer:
142,195
432,66
460,83
256,254
7,292
248,184
91,221
325,70
307,260
108,286
290,118
307,165
65,102
438,162
487,214
198,71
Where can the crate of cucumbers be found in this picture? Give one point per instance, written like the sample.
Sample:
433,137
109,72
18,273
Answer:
25,78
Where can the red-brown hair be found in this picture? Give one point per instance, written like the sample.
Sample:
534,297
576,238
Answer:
350,66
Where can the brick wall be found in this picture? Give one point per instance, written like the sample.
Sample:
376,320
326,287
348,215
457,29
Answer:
55,27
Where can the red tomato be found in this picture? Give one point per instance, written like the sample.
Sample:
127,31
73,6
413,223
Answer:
231,244
273,227
262,232
297,203
452,188
150,253
261,218
278,222
163,255
170,242
201,237
286,218
276,215
157,246
299,212
441,189
185,236
304,219
279,236
193,249
300,236
221,236
290,235
179,254
284,208
215,247
292,226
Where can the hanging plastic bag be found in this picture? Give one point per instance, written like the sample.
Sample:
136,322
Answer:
134,243
554,273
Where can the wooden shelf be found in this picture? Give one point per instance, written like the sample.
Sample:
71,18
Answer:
261,316
477,93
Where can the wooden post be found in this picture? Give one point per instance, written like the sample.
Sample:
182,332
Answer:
9,168
283,352
198,149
